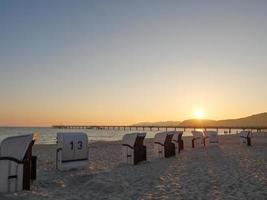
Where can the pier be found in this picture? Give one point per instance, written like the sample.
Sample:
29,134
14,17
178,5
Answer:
157,128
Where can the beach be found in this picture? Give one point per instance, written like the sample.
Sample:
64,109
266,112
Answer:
224,171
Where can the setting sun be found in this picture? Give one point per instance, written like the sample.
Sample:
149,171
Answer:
199,114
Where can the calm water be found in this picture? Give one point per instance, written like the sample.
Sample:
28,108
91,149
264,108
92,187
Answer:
48,135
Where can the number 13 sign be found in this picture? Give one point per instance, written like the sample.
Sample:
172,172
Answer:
72,151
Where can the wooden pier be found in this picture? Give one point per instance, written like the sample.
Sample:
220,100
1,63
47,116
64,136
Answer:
157,128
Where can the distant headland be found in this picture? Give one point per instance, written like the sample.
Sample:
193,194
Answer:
253,120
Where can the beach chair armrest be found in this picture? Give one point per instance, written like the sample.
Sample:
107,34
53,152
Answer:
12,159
127,145
159,143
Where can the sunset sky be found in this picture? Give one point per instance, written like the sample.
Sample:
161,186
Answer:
121,62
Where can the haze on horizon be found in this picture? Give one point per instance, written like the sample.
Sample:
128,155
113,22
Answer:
121,62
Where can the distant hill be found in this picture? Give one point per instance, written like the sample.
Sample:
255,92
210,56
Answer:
253,120
198,122
166,123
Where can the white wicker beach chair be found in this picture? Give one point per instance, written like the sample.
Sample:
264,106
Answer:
72,151
133,149
210,137
245,138
163,144
197,140
16,170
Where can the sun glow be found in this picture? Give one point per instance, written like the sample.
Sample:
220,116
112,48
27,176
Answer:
199,114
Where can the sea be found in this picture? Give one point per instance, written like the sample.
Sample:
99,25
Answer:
47,135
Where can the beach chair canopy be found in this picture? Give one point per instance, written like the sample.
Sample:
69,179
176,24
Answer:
130,138
176,135
197,134
161,137
16,146
212,136
245,134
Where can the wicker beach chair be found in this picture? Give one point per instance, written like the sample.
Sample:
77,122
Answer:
163,144
198,139
17,165
210,137
245,137
72,151
133,149
178,141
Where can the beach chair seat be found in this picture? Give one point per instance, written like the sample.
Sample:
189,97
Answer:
133,149
163,144
245,137
17,165
210,138
177,139
72,151
198,139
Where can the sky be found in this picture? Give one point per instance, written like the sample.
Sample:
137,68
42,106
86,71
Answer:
120,62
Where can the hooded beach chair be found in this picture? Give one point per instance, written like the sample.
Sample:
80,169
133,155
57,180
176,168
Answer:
245,138
177,139
72,151
17,165
163,144
198,139
133,149
210,137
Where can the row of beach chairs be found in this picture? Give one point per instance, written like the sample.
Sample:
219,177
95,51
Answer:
166,145
18,165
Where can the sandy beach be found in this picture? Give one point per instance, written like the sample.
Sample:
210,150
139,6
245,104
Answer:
225,171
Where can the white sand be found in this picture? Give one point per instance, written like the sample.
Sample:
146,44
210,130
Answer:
227,171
